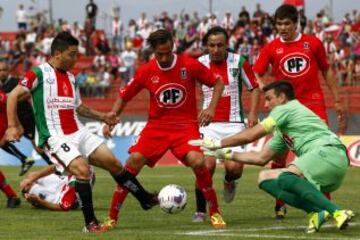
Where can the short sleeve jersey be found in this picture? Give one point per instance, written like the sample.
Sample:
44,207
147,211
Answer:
172,90
55,97
298,62
296,127
235,72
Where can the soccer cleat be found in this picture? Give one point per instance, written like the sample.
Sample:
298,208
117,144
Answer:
316,219
152,201
217,221
109,224
280,212
342,218
229,191
199,217
94,227
25,167
13,202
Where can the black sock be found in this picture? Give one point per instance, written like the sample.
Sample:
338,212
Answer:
11,149
46,158
129,181
229,178
84,194
200,201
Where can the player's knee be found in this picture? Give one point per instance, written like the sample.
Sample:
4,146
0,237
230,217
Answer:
263,176
81,171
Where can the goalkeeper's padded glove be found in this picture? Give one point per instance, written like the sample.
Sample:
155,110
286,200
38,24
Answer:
208,143
222,153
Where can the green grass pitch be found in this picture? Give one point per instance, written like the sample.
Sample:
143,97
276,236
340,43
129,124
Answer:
250,216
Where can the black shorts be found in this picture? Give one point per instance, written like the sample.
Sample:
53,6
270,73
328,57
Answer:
28,123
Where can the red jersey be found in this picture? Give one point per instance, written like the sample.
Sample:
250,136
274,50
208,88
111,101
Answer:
297,61
3,116
172,90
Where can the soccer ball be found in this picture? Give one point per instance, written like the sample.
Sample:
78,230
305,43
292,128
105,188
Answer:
172,198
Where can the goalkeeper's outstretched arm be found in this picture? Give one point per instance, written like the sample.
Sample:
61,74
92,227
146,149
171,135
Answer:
255,158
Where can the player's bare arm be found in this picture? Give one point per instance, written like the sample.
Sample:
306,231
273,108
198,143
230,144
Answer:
117,109
253,113
247,136
15,130
207,114
261,80
338,104
33,176
255,158
108,118
37,201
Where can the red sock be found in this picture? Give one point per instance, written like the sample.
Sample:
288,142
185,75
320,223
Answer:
5,187
279,203
204,181
328,195
119,196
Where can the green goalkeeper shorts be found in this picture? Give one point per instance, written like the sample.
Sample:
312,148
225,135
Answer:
325,167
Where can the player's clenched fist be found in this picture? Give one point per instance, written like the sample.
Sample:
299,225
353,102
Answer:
208,143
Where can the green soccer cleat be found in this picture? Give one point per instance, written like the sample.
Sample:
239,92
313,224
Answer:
342,218
316,219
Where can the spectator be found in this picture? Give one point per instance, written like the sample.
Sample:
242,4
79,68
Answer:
91,12
117,31
128,59
142,20
21,17
228,22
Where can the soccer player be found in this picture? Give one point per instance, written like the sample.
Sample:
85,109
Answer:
170,79
13,201
235,72
322,158
26,118
298,58
45,189
57,104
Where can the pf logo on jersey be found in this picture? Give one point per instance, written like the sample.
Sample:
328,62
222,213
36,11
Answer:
295,64
171,95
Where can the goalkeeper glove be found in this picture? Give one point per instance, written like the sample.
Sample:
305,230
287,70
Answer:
208,143
222,153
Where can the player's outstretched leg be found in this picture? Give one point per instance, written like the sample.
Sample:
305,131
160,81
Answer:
12,199
280,207
26,162
233,172
200,214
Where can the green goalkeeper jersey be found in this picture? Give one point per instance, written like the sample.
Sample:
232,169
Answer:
297,128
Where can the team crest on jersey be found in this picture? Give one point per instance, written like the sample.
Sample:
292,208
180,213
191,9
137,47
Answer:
155,79
234,71
279,51
171,95
47,69
306,45
295,64
183,73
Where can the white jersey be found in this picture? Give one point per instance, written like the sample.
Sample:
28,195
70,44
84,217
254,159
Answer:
55,97
55,189
235,72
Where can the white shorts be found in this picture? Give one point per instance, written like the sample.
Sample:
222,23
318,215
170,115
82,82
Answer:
221,130
64,149
49,188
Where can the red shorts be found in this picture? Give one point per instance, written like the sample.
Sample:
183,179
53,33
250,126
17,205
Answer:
3,128
154,141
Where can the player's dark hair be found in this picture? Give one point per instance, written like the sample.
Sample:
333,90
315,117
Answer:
62,42
287,11
215,31
160,36
281,86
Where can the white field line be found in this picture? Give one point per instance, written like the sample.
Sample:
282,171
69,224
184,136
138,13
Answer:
243,233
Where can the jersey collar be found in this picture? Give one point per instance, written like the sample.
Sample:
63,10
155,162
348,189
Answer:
295,40
172,64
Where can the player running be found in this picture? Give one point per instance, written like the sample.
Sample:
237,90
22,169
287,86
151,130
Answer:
235,72
170,79
298,58
322,158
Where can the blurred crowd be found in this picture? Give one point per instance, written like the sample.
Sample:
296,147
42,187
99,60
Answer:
118,53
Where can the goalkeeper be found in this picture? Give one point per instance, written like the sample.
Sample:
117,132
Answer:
321,162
